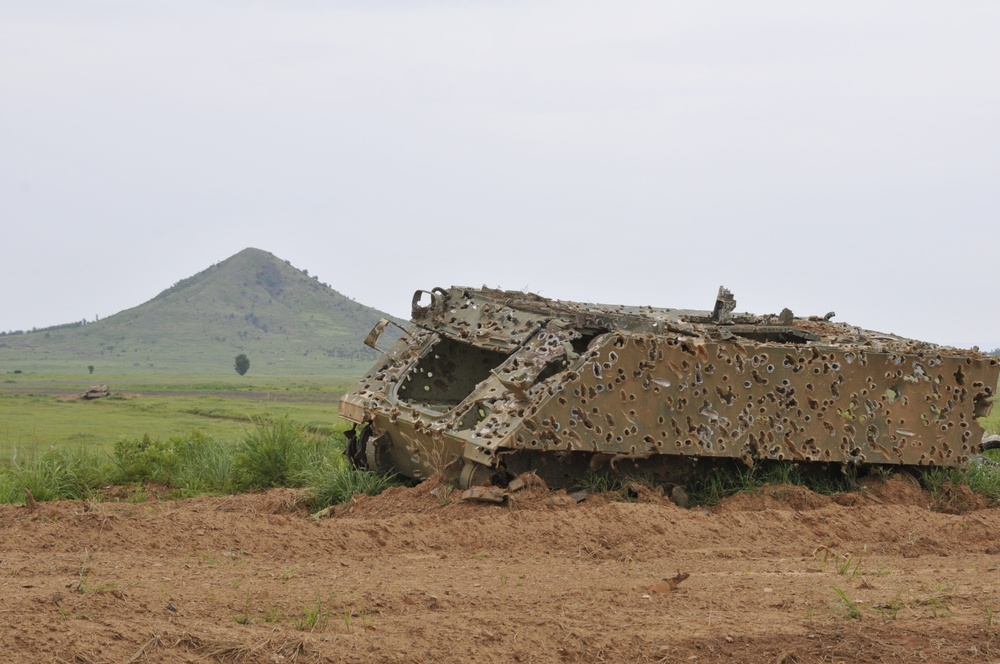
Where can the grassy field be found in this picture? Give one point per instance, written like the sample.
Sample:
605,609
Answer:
40,410
77,383
192,432
992,423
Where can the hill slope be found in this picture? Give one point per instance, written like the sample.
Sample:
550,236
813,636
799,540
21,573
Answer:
253,303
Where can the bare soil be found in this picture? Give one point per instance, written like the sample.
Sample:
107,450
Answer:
410,576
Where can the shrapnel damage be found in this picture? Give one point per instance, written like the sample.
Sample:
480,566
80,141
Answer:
487,384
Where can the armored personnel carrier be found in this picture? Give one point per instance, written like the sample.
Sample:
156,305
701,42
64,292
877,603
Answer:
487,384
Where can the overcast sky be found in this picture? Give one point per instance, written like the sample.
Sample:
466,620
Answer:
813,155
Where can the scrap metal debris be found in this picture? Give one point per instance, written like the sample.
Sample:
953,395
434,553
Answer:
96,392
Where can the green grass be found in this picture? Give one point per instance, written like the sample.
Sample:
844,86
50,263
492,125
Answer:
313,616
992,423
845,606
336,481
38,421
57,474
717,481
714,481
70,383
193,434
600,482
273,452
278,452
984,480
850,565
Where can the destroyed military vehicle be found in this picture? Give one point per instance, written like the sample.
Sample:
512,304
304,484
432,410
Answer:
487,384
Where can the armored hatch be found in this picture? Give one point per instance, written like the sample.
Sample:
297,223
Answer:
487,384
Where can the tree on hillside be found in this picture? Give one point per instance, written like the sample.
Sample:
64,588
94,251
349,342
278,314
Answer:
242,364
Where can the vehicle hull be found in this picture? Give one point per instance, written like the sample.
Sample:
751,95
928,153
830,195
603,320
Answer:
487,384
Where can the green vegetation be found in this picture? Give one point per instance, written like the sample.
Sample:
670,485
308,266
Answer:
191,434
992,423
36,414
715,481
850,565
242,364
601,482
721,480
845,606
981,479
888,610
313,616
274,452
74,383
933,602
337,486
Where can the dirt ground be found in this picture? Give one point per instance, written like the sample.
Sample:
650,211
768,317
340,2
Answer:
410,576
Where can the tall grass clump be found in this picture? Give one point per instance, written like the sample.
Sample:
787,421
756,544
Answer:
279,452
9,491
337,481
980,478
191,464
210,467
56,474
717,481
984,480
600,482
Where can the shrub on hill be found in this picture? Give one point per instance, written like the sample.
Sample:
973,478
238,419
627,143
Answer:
242,364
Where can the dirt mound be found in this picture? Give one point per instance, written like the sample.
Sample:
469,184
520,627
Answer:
417,574
899,489
426,496
777,497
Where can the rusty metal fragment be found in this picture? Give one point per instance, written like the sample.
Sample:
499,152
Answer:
488,384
